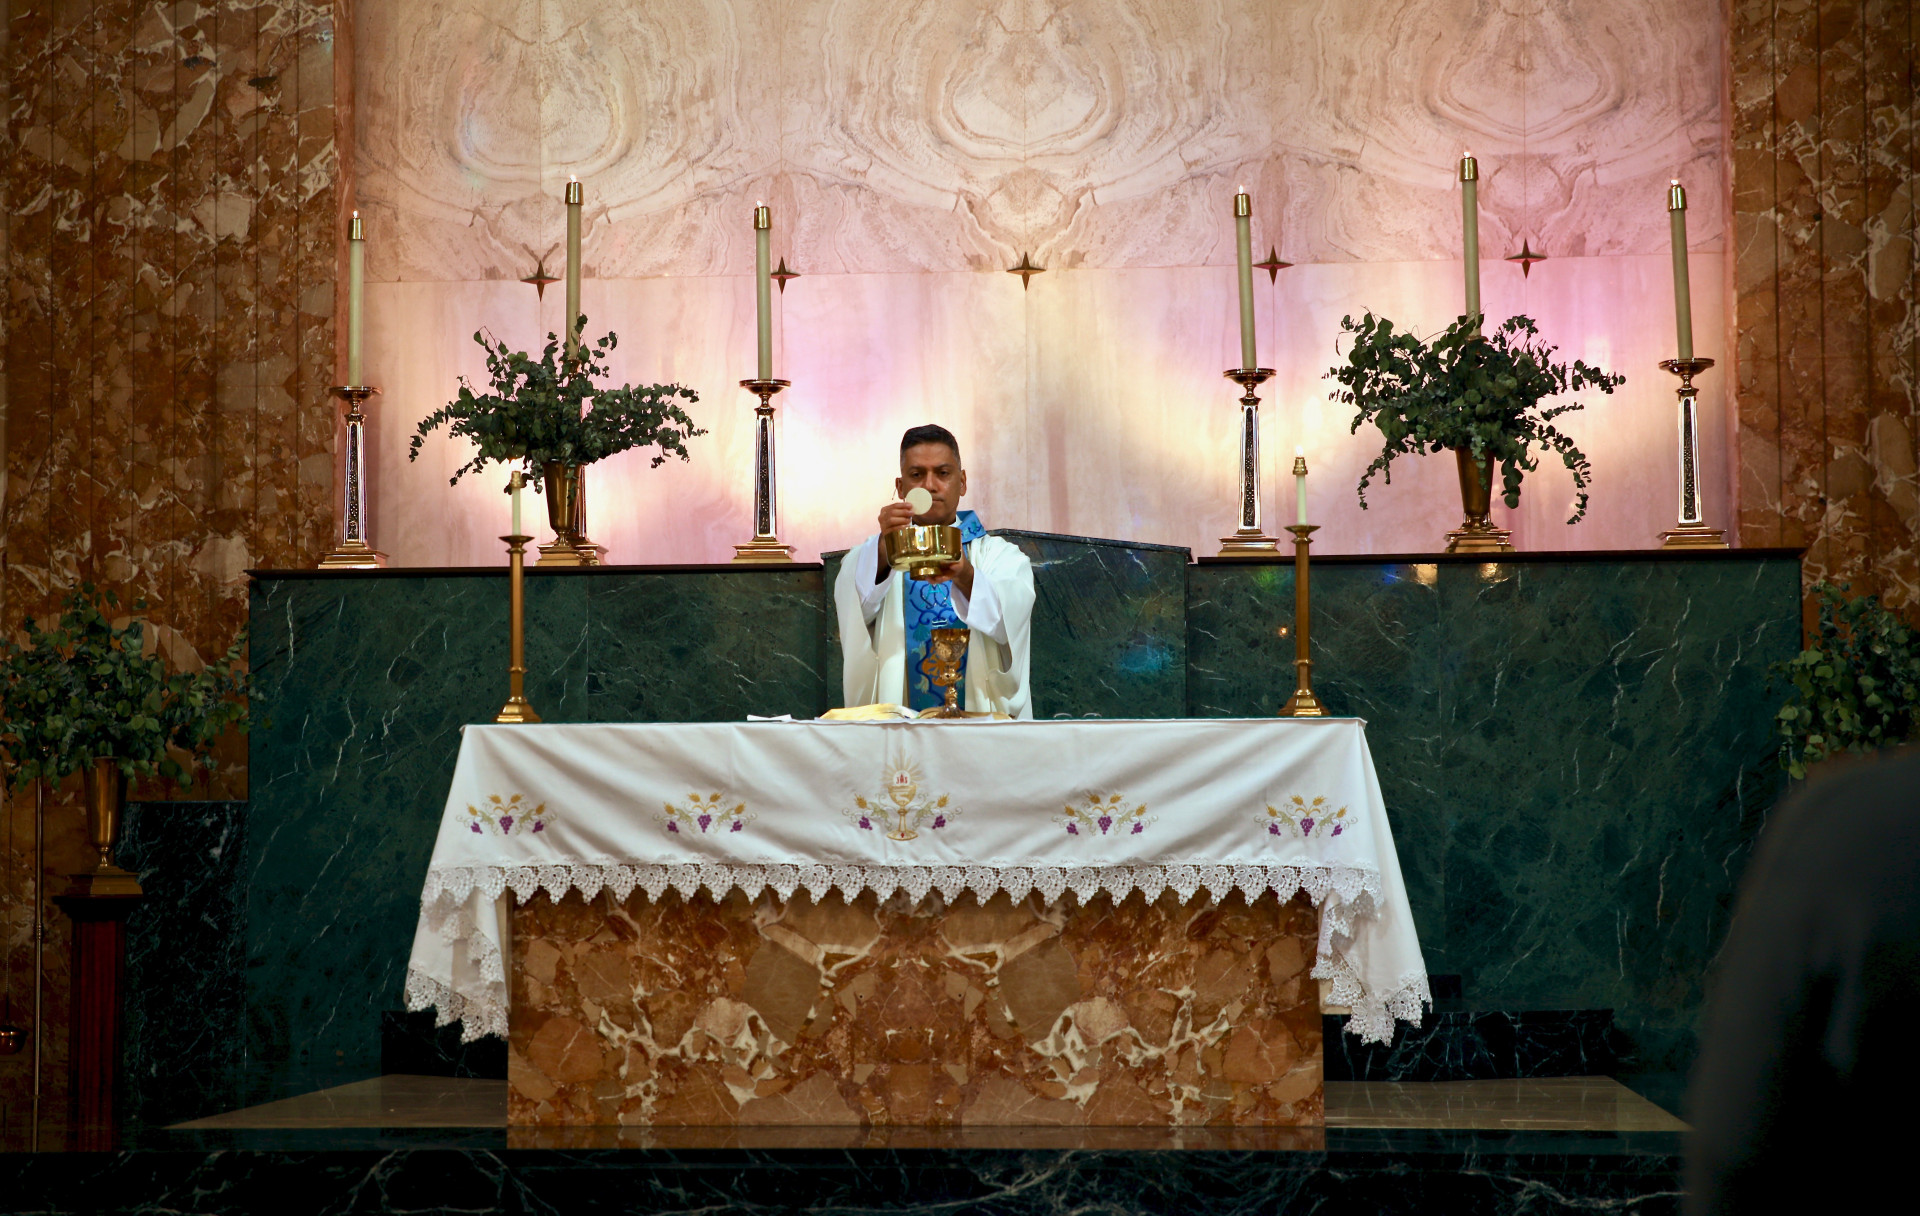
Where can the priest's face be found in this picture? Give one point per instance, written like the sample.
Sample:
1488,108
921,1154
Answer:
934,467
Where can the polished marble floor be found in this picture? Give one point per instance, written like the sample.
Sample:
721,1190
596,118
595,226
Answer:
1596,1104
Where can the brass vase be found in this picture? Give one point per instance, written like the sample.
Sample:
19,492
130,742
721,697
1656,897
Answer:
106,798
1476,534
565,488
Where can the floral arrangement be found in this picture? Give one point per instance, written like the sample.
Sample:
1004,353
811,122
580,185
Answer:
549,411
1856,687
1465,391
83,689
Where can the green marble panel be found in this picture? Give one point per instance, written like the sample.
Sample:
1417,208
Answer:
1109,631
703,646
1575,755
362,686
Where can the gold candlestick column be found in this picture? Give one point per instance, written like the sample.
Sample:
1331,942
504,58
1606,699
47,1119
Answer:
1692,531
765,547
516,709
1248,540
354,552
1302,704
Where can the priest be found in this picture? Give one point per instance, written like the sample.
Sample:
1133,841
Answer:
887,617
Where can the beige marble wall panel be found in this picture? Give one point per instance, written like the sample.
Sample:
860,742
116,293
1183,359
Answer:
1091,404
911,152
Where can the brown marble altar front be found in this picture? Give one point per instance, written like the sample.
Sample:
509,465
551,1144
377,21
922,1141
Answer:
688,1013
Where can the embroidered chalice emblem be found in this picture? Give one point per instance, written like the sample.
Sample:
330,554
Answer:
903,811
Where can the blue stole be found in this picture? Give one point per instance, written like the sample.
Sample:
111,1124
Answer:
930,607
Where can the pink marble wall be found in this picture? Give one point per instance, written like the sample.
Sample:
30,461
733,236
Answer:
1823,190
912,152
169,219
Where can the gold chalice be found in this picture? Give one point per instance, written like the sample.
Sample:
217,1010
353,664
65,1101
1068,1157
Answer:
949,647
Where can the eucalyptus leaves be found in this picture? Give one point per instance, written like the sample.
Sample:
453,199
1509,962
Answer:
83,690
538,411
1856,687
1466,391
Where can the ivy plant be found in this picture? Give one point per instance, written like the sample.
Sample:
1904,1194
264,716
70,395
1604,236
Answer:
1464,390
538,411
1856,687
83,689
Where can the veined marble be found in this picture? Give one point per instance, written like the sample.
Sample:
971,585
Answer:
912,152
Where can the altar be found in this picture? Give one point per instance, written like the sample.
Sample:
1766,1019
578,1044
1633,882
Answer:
1091,922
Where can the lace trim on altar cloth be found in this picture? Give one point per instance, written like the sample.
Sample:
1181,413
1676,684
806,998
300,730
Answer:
1348,883
1342,893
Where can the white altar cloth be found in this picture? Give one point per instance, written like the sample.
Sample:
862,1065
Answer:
1214,805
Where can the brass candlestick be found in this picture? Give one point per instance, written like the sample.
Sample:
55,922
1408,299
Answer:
353,552
765,547
516,709
1692,531
1302,704
1248,540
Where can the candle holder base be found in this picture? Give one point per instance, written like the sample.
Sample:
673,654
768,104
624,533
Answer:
354,555
1483,539
769,552
1694,538
1248,540
765,549
563,552
353,552
1303,704
1253,543
517,710
1691,531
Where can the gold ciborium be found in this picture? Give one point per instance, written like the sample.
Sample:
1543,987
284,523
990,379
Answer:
921,549
949,651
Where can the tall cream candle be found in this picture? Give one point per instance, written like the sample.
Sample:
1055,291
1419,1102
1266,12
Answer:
576,195
763,286
1300,483
1470,229
514,483
1243,252
1682,290
356,295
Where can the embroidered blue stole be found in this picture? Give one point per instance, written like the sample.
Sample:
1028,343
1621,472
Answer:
930,607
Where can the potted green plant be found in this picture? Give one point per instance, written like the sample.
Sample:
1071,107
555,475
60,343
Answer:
1856,687
83,695
548,416
1477,395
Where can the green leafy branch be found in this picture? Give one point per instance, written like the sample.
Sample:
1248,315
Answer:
1856,688
549,410
81,690
1466,391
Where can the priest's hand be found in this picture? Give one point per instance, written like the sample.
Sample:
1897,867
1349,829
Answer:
960,574
895,515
